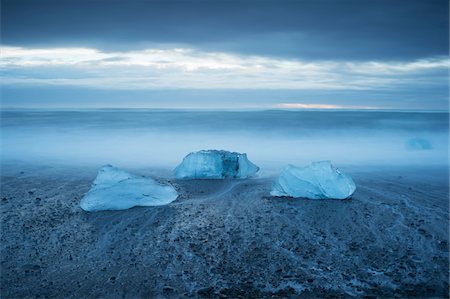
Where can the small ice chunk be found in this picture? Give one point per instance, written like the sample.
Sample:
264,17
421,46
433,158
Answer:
215,164
419,144
115,189
319,180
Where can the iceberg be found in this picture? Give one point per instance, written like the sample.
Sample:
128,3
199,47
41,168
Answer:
215,164
419,144
115,189
319,180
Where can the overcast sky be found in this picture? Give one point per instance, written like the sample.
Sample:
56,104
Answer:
233,54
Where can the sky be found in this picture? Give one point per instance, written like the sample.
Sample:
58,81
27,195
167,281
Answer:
351,54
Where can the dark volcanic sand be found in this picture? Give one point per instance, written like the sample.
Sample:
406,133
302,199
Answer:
226,239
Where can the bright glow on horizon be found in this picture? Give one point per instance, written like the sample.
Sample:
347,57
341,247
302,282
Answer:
193,69
322,106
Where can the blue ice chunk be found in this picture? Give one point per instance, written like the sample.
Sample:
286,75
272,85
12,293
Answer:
115,189
418,144
319,180
215,164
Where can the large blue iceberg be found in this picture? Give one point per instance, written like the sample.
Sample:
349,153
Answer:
215,164
115,189
319,180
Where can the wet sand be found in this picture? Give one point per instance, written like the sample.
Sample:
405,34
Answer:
226,239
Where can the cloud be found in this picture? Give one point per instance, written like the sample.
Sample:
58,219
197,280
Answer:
317,29
416,66
193,69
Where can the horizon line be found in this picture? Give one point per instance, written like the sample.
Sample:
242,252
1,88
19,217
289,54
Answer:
275,108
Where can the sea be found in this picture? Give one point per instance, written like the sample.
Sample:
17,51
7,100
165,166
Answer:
272,139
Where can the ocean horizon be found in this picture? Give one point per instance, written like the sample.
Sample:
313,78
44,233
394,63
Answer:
273,138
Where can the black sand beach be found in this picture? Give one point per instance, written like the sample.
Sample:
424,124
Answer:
226,239
146,93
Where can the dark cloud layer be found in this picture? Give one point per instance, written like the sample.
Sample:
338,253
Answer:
324,29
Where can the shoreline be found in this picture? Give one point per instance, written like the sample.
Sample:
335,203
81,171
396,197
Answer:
226,238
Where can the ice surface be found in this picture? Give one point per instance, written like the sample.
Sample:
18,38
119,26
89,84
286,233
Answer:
419,144
215,164
115,189
319,180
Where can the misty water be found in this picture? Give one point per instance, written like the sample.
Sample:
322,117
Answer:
272,139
